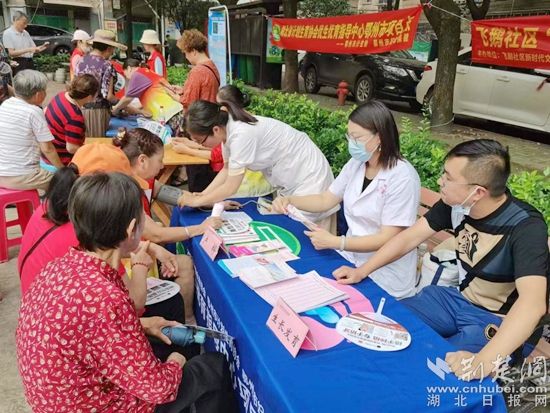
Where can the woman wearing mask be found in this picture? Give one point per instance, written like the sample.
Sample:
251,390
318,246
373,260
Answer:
81,48
151,44
288,158
381,194
66,121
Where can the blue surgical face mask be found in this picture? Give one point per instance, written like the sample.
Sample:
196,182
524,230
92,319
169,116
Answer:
357,151
458,212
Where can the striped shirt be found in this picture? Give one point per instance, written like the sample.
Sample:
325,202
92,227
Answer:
66,123
22,127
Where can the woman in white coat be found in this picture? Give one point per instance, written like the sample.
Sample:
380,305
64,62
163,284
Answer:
288,158
381,192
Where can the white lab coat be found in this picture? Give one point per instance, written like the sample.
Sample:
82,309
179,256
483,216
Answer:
391,199
288,158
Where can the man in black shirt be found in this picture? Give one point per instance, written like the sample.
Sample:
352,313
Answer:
503,261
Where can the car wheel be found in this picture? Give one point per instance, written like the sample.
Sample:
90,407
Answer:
427,106
62,50
310,81
364,89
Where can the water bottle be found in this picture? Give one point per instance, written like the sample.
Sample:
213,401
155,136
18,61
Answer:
161,117
183,336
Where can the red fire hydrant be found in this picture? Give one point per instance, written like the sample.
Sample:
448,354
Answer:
342,92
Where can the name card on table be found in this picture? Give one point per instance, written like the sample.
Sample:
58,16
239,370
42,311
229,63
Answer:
211,242
287,326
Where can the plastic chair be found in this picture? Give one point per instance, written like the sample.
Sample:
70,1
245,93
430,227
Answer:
26,202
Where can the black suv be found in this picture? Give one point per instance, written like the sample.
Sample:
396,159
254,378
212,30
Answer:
392,75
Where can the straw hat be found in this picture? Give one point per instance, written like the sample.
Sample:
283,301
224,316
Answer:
106,37
81,35
150,37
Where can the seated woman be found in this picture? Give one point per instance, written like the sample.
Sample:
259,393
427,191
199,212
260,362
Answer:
381,194
288,158
80,343
65,118
145,152
50,234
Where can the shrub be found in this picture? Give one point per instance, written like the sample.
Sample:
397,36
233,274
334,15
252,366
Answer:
47,63
327,128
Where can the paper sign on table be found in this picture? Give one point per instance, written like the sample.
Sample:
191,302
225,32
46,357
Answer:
287,326
211,243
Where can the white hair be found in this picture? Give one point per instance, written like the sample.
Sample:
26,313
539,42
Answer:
28,83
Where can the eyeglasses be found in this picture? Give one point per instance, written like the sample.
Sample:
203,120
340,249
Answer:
203,140
358,139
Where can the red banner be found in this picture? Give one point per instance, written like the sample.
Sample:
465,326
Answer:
517,42
362,33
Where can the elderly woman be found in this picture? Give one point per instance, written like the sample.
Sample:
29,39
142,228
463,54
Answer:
24,134
96,63
203,80
65,118
381,193
80,344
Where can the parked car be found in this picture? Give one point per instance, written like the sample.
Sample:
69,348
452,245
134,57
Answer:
509,95
392,75
60,40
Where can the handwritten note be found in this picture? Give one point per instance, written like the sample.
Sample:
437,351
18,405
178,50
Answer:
287,326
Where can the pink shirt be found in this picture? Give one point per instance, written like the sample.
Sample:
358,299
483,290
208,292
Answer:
54,245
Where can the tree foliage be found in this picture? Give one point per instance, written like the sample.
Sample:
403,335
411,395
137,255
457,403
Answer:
323,8
190,13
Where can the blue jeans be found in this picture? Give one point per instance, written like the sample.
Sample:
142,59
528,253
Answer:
452,316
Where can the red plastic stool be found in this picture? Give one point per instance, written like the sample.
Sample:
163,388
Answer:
26,202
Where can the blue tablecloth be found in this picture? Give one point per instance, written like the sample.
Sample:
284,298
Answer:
343,378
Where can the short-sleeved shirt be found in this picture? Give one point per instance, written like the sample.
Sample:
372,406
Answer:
66,123
202,83
157,63
13,39
147,86
22,127
76,57
80,345
390,199
101,69
288,158
54,245
495,251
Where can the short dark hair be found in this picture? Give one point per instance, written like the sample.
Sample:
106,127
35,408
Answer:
377,118
488,163
100,46
101,207
83,86
57,195
131,62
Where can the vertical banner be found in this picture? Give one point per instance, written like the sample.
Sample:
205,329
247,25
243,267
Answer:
517,42
362,33
217,42
273,54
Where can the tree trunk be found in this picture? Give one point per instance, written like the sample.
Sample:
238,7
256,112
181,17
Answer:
128,23
290,80
447,29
